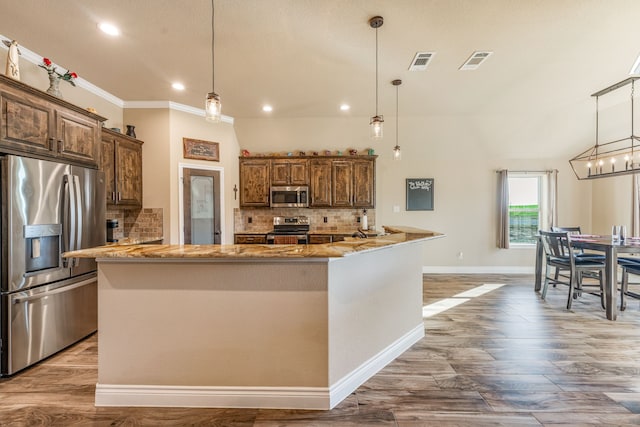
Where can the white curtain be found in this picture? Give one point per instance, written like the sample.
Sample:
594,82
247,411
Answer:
503,209
552,199
635,205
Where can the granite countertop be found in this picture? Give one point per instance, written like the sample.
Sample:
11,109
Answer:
137,241
345,232
397,235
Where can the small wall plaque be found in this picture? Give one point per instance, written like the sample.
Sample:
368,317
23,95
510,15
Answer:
201,150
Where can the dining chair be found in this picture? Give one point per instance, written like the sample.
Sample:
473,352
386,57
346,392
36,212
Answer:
560,255
629,266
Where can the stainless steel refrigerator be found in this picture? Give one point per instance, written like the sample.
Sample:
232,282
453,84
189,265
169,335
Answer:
46,302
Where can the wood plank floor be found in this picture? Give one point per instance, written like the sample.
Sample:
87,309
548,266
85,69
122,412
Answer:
504,358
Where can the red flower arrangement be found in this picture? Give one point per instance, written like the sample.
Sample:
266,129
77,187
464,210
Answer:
51,69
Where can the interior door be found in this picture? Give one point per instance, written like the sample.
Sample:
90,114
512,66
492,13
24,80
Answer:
201,204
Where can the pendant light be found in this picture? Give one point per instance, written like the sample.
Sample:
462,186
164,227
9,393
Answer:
213,107
397,155
377,121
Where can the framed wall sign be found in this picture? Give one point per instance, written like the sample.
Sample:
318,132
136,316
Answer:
419,194
200,150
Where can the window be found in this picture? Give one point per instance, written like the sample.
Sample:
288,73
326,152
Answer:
525,208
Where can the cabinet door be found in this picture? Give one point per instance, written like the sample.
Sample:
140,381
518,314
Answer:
242,239
320,183
107,157
299,172
26,124
279,172
254,182
77,137
128,173
363,183
342,188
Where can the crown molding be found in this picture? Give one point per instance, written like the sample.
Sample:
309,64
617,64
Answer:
36,59
172,106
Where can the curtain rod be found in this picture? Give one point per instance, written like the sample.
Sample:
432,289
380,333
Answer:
527,171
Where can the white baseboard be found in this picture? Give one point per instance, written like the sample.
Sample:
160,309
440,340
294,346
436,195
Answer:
450,269
349,383
254,397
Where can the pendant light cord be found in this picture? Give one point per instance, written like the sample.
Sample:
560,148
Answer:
397,117
376,71
213,50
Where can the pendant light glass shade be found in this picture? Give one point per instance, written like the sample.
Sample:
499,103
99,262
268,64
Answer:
212,106
397,154
377,122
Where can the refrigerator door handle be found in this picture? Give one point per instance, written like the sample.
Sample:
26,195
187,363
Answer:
20,300
79,218
65,219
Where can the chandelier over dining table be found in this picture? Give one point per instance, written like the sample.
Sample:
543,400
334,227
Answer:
616,157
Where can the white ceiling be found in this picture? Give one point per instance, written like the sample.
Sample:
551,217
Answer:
306,57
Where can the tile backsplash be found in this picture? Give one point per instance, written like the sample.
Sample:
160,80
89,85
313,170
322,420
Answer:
143,223
261,219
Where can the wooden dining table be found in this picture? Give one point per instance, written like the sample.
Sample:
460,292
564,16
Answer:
611,249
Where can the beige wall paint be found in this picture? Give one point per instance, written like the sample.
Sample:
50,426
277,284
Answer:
445,148
612,199
162,131
152,127
185,125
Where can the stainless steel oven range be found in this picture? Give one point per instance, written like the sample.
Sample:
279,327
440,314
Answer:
289,230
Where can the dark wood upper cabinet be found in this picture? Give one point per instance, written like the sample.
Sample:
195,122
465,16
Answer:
364,183
334,181
35,123
342,183
320,182
254,182
290,172
121,161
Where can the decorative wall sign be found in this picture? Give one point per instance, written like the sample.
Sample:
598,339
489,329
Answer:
201,150
419,194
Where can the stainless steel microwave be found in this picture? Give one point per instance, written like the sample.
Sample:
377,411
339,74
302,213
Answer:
290,197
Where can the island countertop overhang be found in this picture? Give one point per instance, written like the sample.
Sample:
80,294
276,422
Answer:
396,235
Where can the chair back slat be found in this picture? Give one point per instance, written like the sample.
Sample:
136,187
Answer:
556,244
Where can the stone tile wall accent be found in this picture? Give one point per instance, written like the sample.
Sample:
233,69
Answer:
143,223
337,219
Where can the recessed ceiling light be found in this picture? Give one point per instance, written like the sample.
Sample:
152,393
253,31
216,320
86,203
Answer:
345,107
267,108
110,29
177,86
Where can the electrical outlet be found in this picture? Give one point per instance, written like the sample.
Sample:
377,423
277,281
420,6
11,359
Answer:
460,255
396,208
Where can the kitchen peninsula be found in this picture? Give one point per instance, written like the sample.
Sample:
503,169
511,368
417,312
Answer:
264,326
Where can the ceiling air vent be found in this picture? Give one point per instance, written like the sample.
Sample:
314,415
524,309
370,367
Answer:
421,60
475,60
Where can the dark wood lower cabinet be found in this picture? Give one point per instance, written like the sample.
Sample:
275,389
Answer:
240,239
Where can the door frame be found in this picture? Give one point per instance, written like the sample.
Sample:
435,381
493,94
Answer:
181,167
